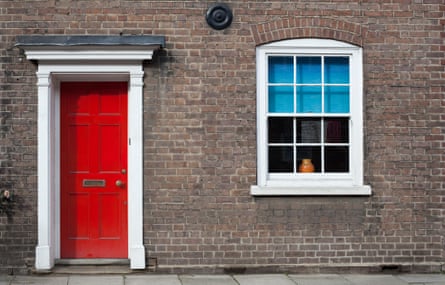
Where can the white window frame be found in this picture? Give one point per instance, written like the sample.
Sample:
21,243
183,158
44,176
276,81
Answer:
351,183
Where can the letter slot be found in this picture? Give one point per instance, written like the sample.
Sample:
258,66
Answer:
93,183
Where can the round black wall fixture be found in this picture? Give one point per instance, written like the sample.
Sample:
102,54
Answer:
219,16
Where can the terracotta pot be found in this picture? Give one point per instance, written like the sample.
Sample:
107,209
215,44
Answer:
306,165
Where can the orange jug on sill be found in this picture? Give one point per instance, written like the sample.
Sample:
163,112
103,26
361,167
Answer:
306,165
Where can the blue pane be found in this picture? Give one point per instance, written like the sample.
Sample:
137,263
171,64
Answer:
336,70
281,69
308,70
336,99
309,99
281,99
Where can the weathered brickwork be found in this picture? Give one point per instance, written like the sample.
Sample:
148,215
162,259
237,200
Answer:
200,134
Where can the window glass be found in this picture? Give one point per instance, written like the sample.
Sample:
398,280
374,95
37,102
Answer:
336,99
310,152
308,130
281,159
281,99
280,130
308,99
323,139
336,70
308,70
336,130
336,159
281,69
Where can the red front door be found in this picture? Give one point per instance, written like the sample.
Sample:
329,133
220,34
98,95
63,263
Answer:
93,169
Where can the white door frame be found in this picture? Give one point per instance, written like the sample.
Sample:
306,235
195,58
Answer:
53,68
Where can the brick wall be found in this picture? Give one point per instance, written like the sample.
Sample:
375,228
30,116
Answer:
200,134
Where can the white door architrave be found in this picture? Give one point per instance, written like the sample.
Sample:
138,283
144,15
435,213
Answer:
80,62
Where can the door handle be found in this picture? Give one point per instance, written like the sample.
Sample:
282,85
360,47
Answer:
119,183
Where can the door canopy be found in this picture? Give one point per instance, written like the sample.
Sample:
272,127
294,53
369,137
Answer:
43,48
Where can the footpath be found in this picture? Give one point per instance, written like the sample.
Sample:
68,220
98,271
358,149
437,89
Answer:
254,279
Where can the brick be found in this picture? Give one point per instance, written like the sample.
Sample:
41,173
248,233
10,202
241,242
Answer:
200,132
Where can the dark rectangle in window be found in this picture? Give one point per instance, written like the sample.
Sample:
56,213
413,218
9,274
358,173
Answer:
308,130
280,130
281,159
336,130
336,159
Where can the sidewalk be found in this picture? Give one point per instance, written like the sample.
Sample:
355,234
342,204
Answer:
257,279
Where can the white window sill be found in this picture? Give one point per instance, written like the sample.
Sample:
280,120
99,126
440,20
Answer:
364,190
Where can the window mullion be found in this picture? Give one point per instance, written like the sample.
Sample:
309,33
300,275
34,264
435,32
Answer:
294,136
322,145
294,144
322,85
322,154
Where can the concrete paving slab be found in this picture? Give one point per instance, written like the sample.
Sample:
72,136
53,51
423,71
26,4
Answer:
152,279
5,279
264,279
423,278
331,279
374,280
95,280
207,280
39,280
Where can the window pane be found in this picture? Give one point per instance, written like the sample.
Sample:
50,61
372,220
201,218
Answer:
311,152
281,159
308,70
336,130
280,130
308,130
281,69
336,99
281,99
336,70
337,159
309,99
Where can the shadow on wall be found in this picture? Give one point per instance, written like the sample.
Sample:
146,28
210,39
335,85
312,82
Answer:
6,204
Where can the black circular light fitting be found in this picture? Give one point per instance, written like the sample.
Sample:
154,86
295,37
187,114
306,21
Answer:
219,16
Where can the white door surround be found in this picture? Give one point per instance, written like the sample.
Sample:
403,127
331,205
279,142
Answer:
86,58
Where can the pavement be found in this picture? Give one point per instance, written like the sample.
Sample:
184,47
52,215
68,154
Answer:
254,279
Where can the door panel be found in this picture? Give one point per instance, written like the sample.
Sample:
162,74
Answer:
109,213
106,161
93,159
78,204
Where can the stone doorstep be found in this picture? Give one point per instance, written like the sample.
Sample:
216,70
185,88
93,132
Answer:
98,261
91,269
92,266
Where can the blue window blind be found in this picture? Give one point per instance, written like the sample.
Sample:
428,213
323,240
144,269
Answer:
309,99
308,70
304,84
281,99
336,70
281,69
336,99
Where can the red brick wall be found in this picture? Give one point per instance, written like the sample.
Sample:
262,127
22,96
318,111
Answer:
200,132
